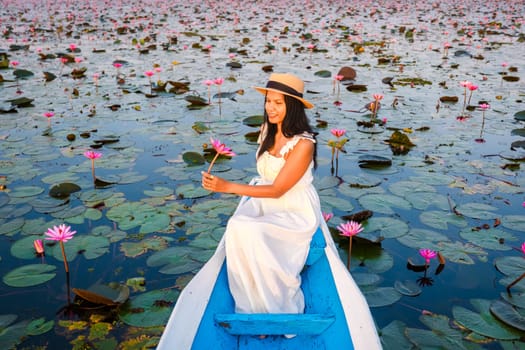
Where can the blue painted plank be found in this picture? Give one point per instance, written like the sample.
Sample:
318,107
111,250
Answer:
254,324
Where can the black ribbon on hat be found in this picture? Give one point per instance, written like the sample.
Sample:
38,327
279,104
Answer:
284,88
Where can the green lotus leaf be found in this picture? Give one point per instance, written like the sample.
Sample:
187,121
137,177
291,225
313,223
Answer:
23,247
159,191
22,73
519,115
483,322
493,238
63,190
193,158
386,227
13,211
11,227
382,296
408,287
253,121
460,253
134,249
366,279
39,326
393,336
189,191
91,247
26,191
424,200
478,211
507,314
401,188
336,203
131,177
420,238
516,299
171,255
111,234
383,203
129,215
149,309
440,335
11,334
440,220
29,275
327,182
323,73
69,212
512,266
514,222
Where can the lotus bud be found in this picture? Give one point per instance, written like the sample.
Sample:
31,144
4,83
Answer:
39,246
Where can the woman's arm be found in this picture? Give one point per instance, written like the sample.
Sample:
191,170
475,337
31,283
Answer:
297,162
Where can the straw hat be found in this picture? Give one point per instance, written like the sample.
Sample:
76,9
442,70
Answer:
286,84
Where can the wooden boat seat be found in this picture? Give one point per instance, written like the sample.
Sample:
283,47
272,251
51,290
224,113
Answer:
304,324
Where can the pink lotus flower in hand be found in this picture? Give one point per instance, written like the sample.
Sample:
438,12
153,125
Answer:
427,254
61,233
220,149
338,132
349,229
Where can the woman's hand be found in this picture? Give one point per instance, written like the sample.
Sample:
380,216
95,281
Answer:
213,183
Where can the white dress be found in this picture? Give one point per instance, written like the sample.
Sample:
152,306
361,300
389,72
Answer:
267,241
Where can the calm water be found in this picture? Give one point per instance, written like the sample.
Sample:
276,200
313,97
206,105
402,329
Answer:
155,132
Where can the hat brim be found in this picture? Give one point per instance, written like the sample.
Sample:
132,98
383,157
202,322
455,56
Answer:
263,90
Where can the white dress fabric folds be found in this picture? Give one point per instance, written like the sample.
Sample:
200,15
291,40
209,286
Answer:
267,241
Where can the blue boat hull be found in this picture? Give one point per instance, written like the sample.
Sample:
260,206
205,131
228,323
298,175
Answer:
321,298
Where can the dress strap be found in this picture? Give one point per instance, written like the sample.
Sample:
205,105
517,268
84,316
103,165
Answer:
291,144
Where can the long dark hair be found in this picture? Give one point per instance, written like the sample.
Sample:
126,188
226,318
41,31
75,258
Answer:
294,123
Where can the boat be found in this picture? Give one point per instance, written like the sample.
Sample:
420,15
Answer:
336,313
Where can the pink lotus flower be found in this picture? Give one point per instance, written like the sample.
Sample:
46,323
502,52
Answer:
220,149
78,59
327,216
149,73
218,81
208,82
49,114
472,87
427,254
349,229
484,106
64,60
377,97
15,63
92,155
39,247
338,132
523,247
158,69
61,233
465,83
72,47
339,77
117,65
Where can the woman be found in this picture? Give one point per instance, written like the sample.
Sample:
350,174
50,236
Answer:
268,237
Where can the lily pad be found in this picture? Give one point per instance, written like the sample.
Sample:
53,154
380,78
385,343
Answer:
408,287
149,309
63,190
193,158
506,313
39,326
384,203
492,238
382,296
483,322
29,275
519,115
134,249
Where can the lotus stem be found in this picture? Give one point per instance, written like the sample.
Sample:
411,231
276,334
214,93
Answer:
514,282
213,161
66,266
349,252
